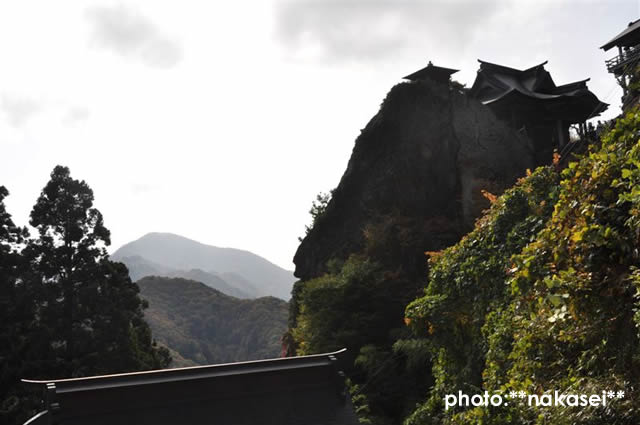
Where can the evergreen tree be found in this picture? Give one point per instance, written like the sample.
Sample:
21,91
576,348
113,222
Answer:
89,310
16,314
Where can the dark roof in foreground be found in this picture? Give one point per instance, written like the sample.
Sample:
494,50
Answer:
296,390
501,87
437,73
629,37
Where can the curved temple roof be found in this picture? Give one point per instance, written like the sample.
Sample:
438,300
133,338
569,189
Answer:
499,86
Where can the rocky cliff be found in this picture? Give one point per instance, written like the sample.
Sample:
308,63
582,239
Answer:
427,156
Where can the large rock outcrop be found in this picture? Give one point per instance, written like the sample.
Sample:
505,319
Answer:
427,155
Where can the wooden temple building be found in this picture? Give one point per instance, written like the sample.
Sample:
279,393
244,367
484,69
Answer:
432,72
307,390
533,104
628,43
529,100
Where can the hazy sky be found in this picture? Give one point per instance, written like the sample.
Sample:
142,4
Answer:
220,121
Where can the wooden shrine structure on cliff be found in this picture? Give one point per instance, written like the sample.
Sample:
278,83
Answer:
624,64
437,74
531,102
528,100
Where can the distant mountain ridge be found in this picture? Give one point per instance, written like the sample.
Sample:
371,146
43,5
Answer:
140,267
232,271
215,282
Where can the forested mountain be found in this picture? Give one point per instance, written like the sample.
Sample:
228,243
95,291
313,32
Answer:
167,254
215,282
205,326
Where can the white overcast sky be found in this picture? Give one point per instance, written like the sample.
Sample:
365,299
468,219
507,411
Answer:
220,121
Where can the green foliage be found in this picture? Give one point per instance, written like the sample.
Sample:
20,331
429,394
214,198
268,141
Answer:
66,309
543,295
360,403
582,279
205,326
467,281
633,87
16,313
328,320
318,207
360,306
88,305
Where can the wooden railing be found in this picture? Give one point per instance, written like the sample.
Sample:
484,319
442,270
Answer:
627,57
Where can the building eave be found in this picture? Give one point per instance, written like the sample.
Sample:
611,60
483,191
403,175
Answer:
631,28
188,373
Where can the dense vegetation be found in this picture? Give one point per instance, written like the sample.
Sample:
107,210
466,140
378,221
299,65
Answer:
542,295
467,291
560,311
359,304
66,310
204,326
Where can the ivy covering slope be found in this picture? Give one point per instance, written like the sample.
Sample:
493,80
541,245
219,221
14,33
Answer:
543,295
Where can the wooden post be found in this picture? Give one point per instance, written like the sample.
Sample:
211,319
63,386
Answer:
623,76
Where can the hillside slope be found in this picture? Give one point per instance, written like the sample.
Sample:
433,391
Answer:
543,295
213,281
205,326
179,253
541,299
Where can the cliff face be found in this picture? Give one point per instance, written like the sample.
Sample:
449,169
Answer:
426,156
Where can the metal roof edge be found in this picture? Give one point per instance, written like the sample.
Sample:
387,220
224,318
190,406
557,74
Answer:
192,372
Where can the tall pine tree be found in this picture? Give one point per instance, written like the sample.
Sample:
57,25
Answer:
89,310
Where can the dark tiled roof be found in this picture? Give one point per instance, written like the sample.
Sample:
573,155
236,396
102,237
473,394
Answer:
433,72
629,37
297,390
498,85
